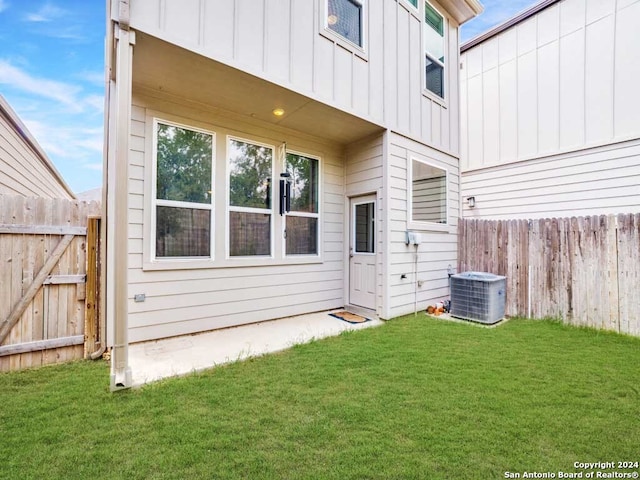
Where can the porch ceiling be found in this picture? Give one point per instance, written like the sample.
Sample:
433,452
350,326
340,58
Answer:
164,67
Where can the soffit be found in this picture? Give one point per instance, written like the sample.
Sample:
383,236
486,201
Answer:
167,68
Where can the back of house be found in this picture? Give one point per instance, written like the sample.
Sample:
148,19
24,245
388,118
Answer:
267,158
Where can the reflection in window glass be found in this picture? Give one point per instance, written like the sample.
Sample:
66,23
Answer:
365,228
345,18
183,232
183,200
184,164
303,173
250,175
428,193
249,234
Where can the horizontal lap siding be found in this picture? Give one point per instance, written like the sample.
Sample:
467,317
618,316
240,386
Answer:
437,251
194,300
596,181
21,170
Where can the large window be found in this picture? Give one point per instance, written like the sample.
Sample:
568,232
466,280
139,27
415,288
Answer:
434,48
250,198
301,222
345,17
428,193
183,191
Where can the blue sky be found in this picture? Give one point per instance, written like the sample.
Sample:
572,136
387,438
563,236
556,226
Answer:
52,74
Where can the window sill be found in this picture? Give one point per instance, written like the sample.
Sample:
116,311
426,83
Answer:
431,227
183,264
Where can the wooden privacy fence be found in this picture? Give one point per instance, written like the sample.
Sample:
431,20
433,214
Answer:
584,270
46,290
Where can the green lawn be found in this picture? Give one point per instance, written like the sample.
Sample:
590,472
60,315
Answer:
415,398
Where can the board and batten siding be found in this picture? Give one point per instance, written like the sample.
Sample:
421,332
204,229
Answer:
183,301
438,249
282,42
551,112
22,170
364,175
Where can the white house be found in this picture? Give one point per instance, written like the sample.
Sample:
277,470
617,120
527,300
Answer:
551,112
267,158
25,168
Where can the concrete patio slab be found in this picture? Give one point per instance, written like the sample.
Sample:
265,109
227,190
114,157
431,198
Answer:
158,359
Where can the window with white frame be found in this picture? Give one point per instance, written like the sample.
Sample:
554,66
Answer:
301,222
428,193
414,3
250,198
183,200
434,50
346,18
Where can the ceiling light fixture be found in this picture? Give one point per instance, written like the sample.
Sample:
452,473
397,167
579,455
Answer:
332,19
278,112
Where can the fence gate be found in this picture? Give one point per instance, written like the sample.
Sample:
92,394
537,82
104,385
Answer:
44,279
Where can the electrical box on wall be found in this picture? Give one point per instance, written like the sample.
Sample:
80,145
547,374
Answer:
413,238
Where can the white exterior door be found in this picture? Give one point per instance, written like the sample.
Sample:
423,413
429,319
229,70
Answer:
362,252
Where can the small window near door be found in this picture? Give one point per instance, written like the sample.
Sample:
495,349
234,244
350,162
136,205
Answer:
365,227
428,193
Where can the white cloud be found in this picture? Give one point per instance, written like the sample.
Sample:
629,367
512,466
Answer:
93,166
47,13
3,5
54,90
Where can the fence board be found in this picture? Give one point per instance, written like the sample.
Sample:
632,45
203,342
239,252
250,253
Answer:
584,270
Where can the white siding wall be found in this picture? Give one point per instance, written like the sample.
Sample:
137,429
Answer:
364,175
22,171
597,181
552,88
438,249
281,41
192,300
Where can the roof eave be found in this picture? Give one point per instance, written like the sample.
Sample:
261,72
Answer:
462,10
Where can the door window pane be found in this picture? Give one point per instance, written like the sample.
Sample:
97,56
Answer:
345,18
249,234
183,232
365,228
302,235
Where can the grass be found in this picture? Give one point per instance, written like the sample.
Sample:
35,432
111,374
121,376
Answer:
416,398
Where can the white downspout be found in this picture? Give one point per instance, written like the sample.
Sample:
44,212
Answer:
117,208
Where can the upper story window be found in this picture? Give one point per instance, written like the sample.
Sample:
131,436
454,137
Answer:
434,48
250,198
414,3
345,17
428,193
183,200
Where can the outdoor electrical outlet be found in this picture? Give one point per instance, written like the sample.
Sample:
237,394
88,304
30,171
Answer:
139,297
